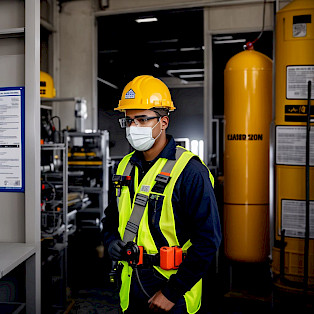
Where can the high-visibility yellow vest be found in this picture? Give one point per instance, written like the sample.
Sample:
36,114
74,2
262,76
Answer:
166,224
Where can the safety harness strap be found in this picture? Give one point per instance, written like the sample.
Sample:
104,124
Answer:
128,169
142,199
163,177
170,163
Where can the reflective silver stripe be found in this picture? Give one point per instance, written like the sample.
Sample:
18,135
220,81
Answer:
170,163
128,169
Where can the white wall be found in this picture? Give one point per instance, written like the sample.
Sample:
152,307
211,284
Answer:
76,58
12,69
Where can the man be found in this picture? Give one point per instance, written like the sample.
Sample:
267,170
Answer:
165,200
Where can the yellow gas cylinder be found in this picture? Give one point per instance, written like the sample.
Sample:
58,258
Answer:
294,68
248,113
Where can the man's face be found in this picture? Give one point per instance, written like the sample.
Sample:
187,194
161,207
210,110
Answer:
152,120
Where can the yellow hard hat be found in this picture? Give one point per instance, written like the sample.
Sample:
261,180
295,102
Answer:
145,92
47,89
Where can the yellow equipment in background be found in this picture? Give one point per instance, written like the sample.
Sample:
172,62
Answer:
248,114
294,68
47,89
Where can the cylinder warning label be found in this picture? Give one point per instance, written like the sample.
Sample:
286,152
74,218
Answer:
291,145
293,218
297,81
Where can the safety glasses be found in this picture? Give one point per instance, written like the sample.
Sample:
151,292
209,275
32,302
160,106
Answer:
126,122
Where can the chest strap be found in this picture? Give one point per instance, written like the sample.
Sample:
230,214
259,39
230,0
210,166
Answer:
142,199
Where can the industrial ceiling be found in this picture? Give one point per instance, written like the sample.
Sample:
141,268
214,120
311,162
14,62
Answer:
170,46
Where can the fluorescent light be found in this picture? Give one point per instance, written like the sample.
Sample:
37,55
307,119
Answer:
190,75
156,65
163,41
109,51
107,83
190,49
184,62
165,50
147,20
230,41
222,37
169,72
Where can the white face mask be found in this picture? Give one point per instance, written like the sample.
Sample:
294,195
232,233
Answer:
141,138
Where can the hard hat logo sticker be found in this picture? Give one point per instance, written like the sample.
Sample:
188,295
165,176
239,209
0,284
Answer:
130,94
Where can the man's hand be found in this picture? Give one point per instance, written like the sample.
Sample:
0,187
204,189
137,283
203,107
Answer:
115,249
159,303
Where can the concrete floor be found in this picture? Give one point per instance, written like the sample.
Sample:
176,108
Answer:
235,289
248,296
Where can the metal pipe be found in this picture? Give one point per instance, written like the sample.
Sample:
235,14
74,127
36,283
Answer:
307,185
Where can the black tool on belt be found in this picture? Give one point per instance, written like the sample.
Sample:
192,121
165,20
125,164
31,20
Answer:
120,181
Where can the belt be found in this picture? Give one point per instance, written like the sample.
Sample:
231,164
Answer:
150,260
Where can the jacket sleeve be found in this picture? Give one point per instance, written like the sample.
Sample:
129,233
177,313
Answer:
111,221
198,203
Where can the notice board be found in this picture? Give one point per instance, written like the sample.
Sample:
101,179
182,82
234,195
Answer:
12,152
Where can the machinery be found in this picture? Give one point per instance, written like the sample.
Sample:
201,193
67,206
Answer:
88,173
293,252
248,114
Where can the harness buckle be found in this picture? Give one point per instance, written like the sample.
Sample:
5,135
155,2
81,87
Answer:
120,181
162,179
141,199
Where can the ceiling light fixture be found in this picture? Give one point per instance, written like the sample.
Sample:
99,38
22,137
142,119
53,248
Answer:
163,41
187,76
156,65
165,50
230,41
170,72
146,20
107,83
184,63
222,37
190,49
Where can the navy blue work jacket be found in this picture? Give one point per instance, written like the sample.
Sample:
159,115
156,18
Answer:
196,218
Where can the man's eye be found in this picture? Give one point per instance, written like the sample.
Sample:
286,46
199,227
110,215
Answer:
141,120
128,121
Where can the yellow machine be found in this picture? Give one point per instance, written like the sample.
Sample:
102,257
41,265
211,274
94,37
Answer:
47,89
248,114
294,68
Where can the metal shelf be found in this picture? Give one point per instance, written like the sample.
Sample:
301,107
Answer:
98,194
59,99
12,307
13,254
85,134
52,146
12,32
85,167
59,227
